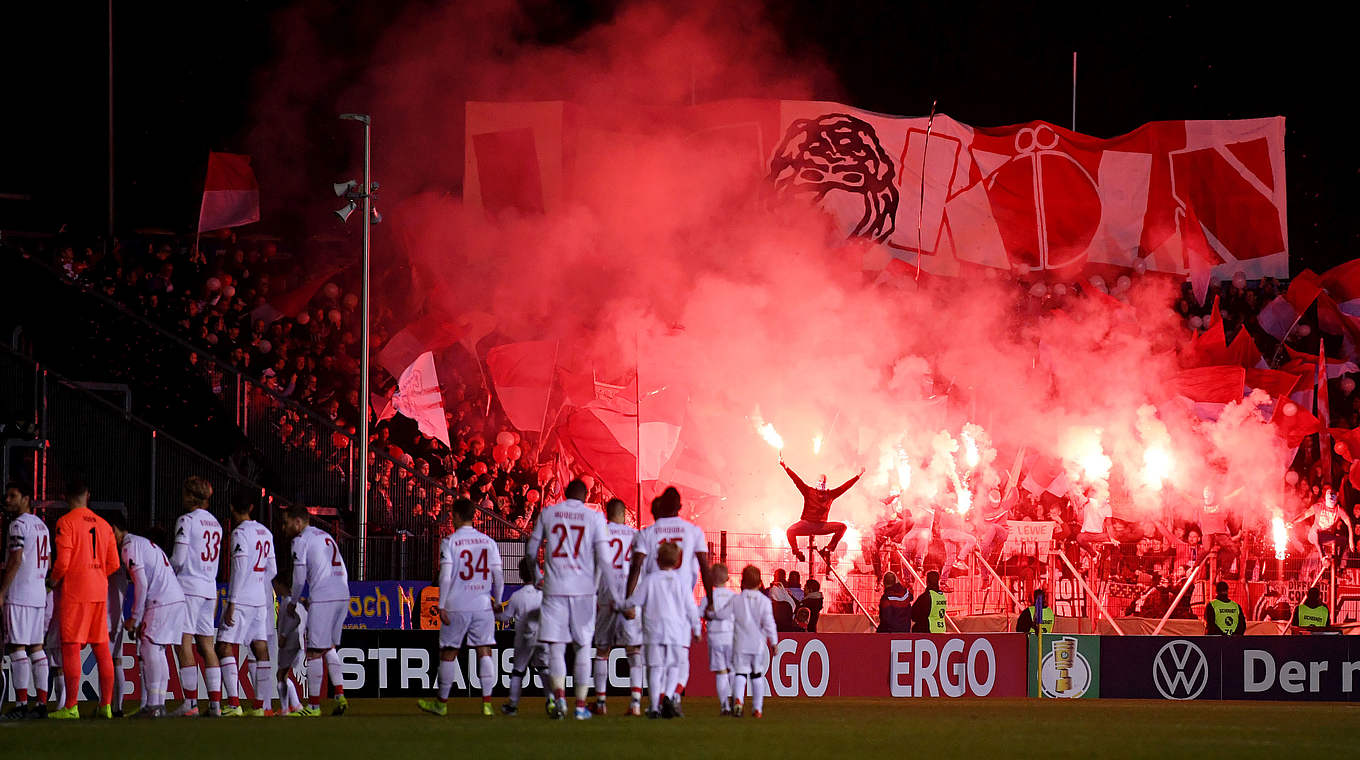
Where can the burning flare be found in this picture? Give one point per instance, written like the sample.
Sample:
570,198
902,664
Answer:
1156,467
817,443
766,430
970,450
1279,535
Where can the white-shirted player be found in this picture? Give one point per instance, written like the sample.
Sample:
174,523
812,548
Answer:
669,528
198,549
23,597
531,656
669,622
470,584
612,628
248,618
157,618
720,637
752,632
291,656
575,545
317,564
119,583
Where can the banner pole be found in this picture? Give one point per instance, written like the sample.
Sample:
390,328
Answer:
1189,581
1074,90
1092,595
920,210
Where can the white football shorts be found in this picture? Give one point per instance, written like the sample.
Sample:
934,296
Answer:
477,628
325,621
165,623
612,629
567,620
719,655
200,612
25,626
249,624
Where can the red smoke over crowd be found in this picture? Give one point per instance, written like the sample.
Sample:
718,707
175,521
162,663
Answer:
676,249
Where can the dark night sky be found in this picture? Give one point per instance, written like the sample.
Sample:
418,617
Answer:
187,75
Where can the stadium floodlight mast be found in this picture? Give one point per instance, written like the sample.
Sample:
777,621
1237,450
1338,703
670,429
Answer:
352,191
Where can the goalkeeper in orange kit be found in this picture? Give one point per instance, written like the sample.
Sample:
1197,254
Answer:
86,556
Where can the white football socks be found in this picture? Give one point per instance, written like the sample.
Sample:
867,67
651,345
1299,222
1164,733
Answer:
448,669
601,679
486,673
231,678
21,672
188,682
316,675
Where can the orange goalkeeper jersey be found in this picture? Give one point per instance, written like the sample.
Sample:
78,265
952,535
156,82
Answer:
86,556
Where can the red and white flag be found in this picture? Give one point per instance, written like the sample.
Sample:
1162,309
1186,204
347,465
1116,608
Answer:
418,397
522,374
231,195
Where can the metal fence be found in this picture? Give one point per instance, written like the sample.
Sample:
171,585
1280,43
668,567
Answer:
124,460
204,405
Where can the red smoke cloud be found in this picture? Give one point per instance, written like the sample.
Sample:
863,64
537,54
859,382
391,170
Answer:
676,241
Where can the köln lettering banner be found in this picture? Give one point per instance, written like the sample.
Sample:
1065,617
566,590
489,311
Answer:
1033,197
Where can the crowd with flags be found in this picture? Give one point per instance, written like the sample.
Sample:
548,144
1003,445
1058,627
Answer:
460,409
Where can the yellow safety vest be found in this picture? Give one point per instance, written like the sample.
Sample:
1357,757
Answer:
938,603
1047,625
1226,615
1311,617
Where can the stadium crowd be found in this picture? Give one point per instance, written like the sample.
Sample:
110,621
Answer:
262,312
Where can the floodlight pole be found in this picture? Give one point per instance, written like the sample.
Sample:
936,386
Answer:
362,428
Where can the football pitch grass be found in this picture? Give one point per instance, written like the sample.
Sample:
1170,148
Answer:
392,729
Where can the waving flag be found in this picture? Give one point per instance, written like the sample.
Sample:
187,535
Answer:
231,196
418,397
523,375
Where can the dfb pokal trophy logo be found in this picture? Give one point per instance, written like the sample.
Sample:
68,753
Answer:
1064,673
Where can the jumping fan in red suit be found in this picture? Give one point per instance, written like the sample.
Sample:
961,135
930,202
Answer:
816,508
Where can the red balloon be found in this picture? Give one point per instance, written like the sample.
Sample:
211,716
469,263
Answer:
479,468
505,438
532,496
514,452
500,453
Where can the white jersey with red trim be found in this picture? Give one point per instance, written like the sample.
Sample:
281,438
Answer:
672,530
29,535
253,565
198,549
568,532
317,562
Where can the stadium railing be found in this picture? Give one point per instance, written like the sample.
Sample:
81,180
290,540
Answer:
159,364
124,459
316,465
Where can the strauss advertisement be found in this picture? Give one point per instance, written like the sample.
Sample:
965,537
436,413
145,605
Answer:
399,663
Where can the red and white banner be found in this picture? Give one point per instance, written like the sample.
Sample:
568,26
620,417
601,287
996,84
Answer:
881,665
231,195
418,397
1207,196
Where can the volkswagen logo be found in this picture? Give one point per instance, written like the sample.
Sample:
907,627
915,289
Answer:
1180,670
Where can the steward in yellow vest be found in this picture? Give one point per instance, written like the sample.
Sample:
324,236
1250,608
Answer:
1223,616
927,613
